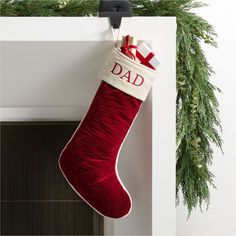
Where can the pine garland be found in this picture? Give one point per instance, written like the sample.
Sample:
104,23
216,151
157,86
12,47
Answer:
197,121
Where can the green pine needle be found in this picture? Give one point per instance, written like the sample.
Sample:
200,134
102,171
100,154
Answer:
197,119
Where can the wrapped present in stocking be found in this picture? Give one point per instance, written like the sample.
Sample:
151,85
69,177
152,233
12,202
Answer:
146,56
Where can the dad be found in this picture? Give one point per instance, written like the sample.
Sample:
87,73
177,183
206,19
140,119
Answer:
117,70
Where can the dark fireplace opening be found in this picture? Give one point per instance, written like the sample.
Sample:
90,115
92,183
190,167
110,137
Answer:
35,197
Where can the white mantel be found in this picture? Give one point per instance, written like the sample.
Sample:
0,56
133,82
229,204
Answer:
48,72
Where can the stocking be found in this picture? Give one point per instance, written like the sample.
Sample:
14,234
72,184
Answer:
89,160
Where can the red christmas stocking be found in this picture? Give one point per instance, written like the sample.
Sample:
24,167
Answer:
89,160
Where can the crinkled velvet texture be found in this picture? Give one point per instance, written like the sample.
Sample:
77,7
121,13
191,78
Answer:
89,159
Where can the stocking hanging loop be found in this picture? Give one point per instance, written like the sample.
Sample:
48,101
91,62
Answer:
115,35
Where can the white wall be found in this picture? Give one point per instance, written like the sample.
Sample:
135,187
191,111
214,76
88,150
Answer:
220,219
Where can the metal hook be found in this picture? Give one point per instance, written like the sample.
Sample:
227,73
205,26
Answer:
115,10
